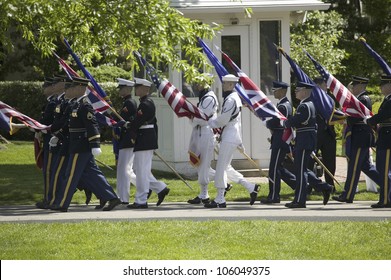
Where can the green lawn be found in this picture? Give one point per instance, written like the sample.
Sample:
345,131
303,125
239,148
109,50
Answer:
21,183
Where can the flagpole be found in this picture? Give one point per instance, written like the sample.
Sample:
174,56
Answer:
324,167
172,169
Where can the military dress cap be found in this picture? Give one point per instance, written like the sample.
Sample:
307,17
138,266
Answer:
77,81
59,78
47,82
230,78
385,79
359,80
125,83
68,82
278,85
142,82
304,85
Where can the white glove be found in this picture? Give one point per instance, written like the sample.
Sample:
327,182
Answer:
366,118
96,151
241,148
53,141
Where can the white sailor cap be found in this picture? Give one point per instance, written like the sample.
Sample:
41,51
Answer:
142,82
230,78
126,83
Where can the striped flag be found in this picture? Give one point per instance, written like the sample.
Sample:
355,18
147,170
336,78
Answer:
349,103
177,101
7,113
323,103
383,64
249,92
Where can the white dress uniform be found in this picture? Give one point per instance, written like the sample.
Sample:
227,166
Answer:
230,122
205,140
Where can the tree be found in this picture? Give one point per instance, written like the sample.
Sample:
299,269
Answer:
372,20
100,31
319,35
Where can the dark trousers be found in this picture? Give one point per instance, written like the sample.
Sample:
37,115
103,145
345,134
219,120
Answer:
359,161
81,168
277,173
383,166
327,145
301,162
47,167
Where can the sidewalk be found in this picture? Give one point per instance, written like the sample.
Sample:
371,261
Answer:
315,211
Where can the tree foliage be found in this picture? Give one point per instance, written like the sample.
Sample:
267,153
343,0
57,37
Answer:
319,35
103,31
372,20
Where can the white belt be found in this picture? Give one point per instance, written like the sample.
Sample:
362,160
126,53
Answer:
147,126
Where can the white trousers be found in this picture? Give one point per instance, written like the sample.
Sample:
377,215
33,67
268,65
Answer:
231,175
125,173
144,178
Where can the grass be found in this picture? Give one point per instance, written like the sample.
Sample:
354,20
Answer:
182,240
21,183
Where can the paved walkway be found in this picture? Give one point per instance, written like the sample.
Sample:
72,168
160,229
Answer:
315,211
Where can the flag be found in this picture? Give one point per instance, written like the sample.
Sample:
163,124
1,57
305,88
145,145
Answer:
7,113
260,104
323,103
177,101
383,64
249,92
98,102
349,103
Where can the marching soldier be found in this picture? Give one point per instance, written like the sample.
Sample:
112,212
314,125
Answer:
143,131
47,119
362,139
383,147
125,173
84,144
230,122
279,148
304,122
204,140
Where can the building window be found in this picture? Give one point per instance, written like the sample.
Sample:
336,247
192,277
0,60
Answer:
230,44
270,33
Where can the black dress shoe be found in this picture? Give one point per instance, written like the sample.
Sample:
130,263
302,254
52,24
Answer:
326,195
254,194
124,203
269,201
162,195
88,196
112,204
137,206
295,205
102,204
228,188
198,200
379,205
58,208
342,199
42,205
214,204
149,194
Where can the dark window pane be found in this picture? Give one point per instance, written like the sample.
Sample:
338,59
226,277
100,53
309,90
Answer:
270,33
231,46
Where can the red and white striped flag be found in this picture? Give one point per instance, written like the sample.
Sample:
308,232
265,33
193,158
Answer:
349,103
7,113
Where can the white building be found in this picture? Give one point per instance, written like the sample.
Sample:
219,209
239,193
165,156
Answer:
249,42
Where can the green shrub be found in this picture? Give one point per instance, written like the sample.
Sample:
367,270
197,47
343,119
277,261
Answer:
106,73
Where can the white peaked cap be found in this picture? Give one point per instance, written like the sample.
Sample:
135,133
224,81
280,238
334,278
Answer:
143,82
123,82
230,78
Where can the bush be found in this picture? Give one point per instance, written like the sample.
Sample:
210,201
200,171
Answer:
106,73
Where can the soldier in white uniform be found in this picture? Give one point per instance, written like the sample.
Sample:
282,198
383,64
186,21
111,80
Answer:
230,122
